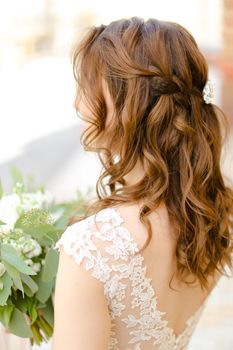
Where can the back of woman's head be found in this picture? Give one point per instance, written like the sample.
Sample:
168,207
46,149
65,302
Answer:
155,75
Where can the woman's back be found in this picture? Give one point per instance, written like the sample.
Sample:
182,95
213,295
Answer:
145,313
159,258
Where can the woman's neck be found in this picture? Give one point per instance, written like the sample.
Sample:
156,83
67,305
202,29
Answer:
135,175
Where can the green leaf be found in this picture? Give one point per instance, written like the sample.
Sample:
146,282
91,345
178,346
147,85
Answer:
28,291
6,291
41,305
32,309
13,272
40,231
5,314
16,174
10,255
48,312
36,231
49,269
50,238
2,316
30,283
21,303
18,283
2,223
45,288
18,325
33,315
62,222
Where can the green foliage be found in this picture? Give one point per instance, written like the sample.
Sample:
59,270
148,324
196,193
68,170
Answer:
51,264
44,288
28,260
30,283
18,324
5,314
37,223
10,256
47,312
13,272
6,291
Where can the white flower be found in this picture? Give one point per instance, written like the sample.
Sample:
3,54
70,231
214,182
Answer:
29,262
8,211
208,92
35,251
30,247
27,247
36,267
35,200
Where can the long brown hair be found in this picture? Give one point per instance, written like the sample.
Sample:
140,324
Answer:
156,74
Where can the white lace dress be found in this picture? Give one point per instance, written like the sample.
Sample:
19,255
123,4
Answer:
109,253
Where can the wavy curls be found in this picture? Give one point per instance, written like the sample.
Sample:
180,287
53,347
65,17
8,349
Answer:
155,74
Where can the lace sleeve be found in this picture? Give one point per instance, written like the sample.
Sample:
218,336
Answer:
103,249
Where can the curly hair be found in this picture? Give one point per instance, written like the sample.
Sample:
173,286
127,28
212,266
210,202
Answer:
155,74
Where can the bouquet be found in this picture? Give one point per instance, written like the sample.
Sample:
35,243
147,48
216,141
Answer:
30,224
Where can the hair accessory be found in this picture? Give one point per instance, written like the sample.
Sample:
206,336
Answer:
208,92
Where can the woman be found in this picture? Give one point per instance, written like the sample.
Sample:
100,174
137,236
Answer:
135,273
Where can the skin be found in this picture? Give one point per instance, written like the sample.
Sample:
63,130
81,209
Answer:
81,317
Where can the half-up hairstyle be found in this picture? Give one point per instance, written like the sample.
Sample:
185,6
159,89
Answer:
155,74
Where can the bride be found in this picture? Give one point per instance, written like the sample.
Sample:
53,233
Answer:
135,272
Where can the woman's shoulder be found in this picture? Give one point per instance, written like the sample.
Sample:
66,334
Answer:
105,215
98,239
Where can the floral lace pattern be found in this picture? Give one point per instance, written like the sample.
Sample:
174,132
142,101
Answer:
109,253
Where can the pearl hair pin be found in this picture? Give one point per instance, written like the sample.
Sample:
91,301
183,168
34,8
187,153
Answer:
208,92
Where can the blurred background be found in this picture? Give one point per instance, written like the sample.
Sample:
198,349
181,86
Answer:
40,130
